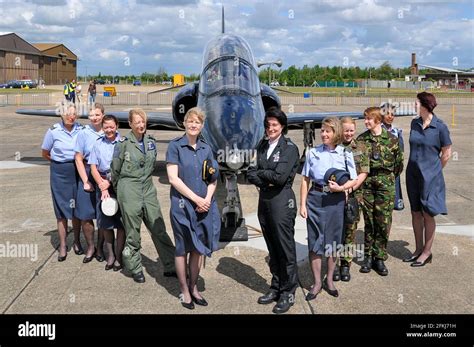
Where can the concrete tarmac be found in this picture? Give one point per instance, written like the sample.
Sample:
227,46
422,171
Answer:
237,274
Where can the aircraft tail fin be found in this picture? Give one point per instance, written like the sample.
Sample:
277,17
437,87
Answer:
223,26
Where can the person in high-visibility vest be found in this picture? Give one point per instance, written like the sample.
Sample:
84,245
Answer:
66,91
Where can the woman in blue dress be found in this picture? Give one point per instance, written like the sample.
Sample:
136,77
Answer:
322,202
58,148
194,213
430,149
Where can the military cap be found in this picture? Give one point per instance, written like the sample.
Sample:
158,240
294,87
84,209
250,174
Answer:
336,175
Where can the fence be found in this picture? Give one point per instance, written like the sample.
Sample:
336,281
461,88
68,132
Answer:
166,98
26,99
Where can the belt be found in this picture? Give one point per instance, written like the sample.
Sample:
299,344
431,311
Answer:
320,188
105,175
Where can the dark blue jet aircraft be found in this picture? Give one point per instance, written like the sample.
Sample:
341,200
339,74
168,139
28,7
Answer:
234,101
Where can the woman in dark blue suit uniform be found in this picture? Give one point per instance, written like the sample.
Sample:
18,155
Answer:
430,149
277,163
194,213
58,148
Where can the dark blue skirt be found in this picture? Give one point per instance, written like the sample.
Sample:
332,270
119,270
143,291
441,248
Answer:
325,221
107,222
194,231
63,181
86,201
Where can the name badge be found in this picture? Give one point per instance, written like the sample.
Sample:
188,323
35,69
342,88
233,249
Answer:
276,157
151,146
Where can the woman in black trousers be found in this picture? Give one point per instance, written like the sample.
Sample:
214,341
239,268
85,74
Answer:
273,174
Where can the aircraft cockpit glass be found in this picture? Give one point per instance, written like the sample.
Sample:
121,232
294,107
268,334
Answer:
229,73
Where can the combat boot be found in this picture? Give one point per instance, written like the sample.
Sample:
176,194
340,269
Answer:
366,265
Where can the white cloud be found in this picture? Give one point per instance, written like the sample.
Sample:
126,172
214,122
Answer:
111,54
162,34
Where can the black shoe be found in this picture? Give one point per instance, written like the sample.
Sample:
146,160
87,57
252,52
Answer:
379,267
109,267
78,250
419,263
188,305
411,258
283,305
117,267
62,258
139,277
366,265
99,258
345,273
268,298
200,302
336,275
88,259
331,292
310,296
170,274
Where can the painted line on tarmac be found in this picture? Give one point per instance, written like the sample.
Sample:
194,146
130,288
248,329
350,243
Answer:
15,164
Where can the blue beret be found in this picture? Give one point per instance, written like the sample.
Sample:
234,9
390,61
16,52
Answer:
336,175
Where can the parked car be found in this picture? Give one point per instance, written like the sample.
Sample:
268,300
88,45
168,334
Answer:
11,84
27,83
167,83
137,83
99,81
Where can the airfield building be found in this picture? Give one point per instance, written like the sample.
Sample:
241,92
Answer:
52,63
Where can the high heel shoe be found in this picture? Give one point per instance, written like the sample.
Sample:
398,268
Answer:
411,259
117,267
89,259
62,257
422,263
200,302
109,267
188,305
78,250
310,296
331,292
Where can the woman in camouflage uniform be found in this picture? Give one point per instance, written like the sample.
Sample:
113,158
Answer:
385,163
359,150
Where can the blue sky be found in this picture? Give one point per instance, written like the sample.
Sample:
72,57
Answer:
135,36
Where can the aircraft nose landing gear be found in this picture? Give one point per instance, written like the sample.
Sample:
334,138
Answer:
233,225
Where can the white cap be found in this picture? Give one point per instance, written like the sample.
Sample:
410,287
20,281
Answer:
109,206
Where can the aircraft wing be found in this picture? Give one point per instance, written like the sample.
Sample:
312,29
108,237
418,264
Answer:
299,118
159,119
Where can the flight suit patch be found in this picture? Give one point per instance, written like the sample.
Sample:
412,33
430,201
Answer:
151,146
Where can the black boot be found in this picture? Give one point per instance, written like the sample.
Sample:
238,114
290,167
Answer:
336,275
366,265
380,267
345,274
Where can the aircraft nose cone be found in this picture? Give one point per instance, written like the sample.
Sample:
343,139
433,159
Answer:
234,125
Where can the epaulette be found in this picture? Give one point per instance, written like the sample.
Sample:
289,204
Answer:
53,126
123,139
151,137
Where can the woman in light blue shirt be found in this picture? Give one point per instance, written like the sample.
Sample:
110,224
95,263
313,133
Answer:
86,200
58,148
322,203
99,160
